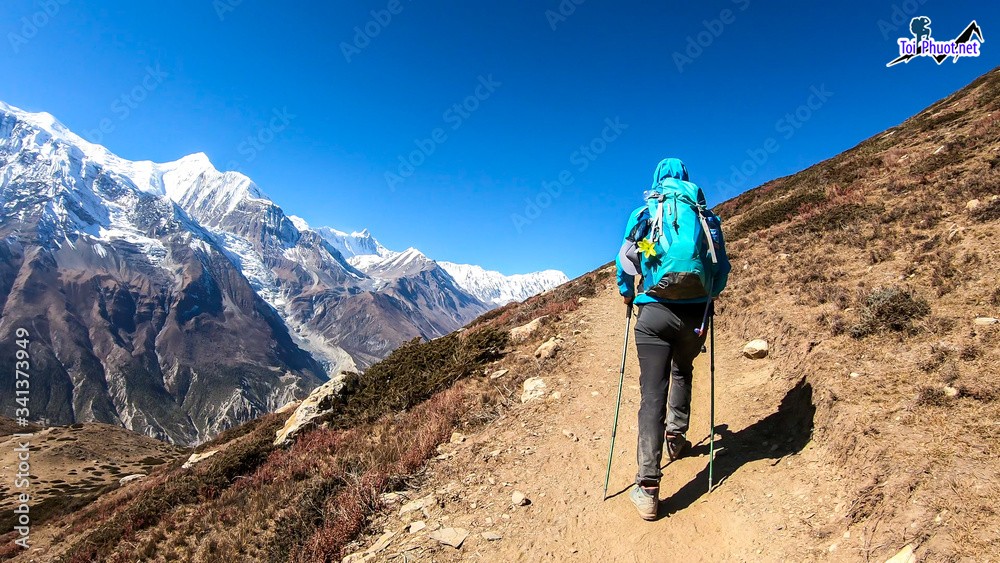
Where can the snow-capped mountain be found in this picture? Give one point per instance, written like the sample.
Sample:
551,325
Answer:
176,299
497,289
352,244
135,314
366,253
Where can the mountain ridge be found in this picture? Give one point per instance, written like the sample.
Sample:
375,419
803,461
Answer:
181,248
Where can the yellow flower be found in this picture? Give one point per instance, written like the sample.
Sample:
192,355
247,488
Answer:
647,248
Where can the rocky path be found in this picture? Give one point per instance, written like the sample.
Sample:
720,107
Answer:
774,501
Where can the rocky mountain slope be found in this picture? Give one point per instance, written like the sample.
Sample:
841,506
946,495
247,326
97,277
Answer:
177,300
868,431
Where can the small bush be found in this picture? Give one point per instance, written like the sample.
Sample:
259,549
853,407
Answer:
988,212
932,397
889,308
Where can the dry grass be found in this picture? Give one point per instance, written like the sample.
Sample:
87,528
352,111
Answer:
251,501
892,252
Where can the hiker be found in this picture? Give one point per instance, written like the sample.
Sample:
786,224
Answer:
667,244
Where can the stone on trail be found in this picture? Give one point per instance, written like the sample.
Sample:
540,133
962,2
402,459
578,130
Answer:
457,438
549,348
986,321
417,526
534,388
905,555
491,536
454,537
519,499
416,504
973,205
756,349
383,542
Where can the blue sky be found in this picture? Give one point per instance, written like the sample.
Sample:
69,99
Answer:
516,137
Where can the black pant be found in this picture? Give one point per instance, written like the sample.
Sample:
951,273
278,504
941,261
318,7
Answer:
667,344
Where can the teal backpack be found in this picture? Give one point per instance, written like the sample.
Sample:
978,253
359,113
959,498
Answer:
676,236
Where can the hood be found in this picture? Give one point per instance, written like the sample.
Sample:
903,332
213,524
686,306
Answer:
670,168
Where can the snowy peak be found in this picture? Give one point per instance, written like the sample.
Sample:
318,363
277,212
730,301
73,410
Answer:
393,265
497,289
196,185
354,244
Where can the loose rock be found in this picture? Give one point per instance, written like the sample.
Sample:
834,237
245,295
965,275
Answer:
519,499
320,402
129,478
196,458
986,321
549,348
416,504
454,537
457,438
905,555
526,331
973,205
492,536
417,526
756,349
534,388
498,374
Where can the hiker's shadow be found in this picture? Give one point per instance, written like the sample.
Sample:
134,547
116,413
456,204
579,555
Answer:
782,433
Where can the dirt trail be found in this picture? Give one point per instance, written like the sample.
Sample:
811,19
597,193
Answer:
775,499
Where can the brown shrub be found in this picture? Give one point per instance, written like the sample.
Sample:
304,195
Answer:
889,308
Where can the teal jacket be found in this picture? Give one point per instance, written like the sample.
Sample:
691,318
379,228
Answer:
673,168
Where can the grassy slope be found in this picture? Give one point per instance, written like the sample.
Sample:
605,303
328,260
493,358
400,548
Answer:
871,263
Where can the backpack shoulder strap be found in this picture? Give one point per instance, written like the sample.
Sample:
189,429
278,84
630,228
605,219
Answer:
641,228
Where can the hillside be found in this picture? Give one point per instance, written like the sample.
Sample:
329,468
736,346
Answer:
870,428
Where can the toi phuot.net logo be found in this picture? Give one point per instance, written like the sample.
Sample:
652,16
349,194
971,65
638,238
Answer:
923,45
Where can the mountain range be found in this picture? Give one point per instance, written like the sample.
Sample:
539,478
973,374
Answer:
177,300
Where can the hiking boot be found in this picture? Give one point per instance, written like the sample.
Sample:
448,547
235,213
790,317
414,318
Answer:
645,501
676,445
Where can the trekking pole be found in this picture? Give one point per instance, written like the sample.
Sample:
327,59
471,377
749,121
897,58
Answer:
618,403
711,447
